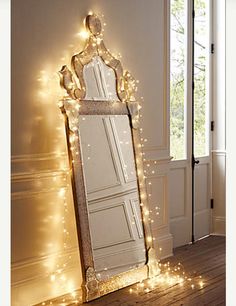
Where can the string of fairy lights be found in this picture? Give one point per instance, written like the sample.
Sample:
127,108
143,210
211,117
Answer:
169,275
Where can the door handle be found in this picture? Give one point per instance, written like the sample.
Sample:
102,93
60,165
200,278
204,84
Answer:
194,161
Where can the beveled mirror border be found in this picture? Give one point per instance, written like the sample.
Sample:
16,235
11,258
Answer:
73,106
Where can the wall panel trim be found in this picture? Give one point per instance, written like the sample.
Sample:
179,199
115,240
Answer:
23,270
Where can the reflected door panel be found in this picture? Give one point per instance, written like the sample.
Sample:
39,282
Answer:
100,81
96,143
112,194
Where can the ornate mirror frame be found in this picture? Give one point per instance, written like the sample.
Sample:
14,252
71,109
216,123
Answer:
72,105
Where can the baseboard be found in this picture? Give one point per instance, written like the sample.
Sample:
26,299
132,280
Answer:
219,225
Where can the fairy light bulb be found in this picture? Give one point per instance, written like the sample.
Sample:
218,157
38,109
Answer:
201,284
149,239
53,277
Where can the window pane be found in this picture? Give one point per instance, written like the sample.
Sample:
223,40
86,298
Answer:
177,81
200,78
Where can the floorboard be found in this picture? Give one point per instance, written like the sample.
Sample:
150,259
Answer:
203,267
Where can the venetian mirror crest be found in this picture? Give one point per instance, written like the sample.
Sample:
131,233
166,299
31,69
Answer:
102,130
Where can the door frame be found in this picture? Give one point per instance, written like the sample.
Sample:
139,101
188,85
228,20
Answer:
186,163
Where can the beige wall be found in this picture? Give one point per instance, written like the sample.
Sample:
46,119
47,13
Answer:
44,38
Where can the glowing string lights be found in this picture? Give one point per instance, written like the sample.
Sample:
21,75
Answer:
128,88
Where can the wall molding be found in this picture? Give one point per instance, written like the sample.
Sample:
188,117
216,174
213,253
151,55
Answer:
37,184
38,174
162,160
37,157
32,176
40,259
42,288
219,152
26,271
19,195
27,164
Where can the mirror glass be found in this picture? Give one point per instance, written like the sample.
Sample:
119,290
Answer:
112,194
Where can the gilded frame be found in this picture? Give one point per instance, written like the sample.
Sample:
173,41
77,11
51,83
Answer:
74,105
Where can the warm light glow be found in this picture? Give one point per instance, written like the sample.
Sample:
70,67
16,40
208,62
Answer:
84,34
53,277
62,192
168,275
149,239
201,284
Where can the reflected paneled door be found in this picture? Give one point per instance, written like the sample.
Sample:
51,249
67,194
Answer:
112,194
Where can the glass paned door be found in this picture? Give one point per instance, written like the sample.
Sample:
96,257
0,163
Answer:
177,79
201,126
201,51
189,120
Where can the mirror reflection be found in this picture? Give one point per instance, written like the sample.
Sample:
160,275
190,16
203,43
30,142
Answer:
112,194
100,81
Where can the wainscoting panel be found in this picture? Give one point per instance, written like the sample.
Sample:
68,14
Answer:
180,204
218,186
202,200
177,196
45,254
157,182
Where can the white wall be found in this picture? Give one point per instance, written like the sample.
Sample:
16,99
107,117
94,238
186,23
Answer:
231,148
218,141
44,38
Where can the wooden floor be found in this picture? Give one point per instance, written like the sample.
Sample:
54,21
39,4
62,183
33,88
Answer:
201,266
206,258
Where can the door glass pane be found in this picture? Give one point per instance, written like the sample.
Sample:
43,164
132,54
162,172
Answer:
177,79
200,78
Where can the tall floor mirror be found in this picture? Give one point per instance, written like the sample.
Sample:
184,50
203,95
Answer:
104,149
